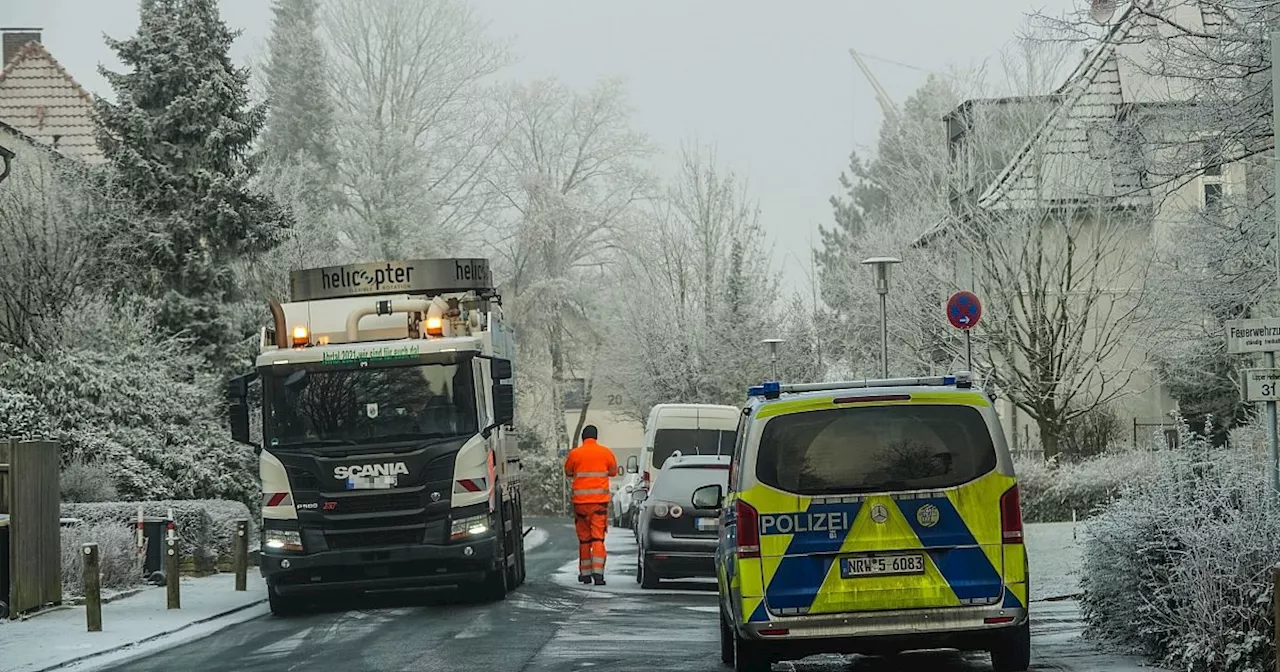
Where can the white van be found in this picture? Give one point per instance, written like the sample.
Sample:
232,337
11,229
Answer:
687,429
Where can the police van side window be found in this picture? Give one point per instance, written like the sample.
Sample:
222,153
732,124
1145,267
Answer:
874,449
739,448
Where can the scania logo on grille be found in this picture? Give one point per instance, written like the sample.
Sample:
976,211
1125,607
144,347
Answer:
344,472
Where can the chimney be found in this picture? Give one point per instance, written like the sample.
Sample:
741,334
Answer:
14,39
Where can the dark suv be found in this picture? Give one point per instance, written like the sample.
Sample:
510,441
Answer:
678,540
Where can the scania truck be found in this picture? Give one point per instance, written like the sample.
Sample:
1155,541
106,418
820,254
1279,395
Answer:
387,458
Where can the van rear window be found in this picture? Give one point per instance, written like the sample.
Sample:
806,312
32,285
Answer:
874,449
691,442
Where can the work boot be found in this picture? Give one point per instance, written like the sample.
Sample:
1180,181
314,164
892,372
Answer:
598,579
584,578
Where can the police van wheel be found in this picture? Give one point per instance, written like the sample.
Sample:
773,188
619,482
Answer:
726,641
1012,651
749,656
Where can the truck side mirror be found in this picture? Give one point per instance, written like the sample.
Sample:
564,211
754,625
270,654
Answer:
504,404
238,407
500,369
633,465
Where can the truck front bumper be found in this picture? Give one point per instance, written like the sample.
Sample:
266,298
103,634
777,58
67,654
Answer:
388,568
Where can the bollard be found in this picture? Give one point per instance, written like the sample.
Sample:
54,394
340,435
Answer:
171,567
92,588
242,554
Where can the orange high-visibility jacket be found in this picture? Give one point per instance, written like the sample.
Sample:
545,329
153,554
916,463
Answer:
590,465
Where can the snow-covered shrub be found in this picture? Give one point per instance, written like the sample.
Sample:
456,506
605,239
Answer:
205,528
1178,567
83,481
122,396
1051,491
119,562
1090,434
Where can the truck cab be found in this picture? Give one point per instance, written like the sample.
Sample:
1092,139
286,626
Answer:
387,460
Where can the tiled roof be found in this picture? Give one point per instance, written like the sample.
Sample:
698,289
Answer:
1060,161
39,98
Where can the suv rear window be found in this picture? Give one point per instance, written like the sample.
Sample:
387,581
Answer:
682,481
691,442
874,449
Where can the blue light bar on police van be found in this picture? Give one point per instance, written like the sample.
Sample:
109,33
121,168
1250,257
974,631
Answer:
770,389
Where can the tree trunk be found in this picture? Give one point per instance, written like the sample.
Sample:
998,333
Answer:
1048,439
582,414
557,379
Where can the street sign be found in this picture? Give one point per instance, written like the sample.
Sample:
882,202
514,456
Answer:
964,310
1260,335
1261,384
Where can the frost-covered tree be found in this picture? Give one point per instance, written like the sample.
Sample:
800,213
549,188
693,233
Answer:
300,131
176,140
417,129
569,172
694,296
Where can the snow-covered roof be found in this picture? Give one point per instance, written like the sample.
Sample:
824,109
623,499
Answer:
40,99
1060,162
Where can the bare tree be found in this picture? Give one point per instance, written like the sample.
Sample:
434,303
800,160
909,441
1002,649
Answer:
417,132
569,173
694,294
46,212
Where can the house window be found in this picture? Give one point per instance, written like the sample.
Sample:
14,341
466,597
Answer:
1212,187
575,393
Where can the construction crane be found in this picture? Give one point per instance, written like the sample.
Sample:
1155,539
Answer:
882,96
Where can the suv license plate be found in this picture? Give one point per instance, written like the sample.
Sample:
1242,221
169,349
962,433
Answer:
707,524
882,565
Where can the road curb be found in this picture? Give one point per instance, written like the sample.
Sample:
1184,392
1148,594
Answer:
117,649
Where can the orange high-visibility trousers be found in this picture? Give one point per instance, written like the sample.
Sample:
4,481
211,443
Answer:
592,523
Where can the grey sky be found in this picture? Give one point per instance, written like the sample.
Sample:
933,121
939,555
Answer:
770,83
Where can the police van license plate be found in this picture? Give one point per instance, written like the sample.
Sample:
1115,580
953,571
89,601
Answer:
881,565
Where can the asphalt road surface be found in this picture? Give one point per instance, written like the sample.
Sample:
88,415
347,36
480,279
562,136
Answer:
549,624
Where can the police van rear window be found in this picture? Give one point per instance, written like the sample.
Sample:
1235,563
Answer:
874,449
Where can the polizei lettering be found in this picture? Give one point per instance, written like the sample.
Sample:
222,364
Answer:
800,523
342,473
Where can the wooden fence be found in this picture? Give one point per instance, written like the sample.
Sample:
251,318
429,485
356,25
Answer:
30,494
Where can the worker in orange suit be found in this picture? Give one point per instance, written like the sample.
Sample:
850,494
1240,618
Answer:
590,465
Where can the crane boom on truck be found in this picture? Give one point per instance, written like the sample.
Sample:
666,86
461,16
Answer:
387,459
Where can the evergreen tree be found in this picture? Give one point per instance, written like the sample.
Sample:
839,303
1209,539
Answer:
177,140
300,127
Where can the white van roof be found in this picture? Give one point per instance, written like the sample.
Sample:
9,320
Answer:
690,416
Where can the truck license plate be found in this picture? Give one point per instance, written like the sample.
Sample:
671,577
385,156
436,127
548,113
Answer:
371,482
882,565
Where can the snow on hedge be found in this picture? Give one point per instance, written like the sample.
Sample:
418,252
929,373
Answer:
1179,566
119,563
1051,492
132,402
205,528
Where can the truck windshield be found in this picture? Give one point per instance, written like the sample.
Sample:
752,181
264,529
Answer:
362,405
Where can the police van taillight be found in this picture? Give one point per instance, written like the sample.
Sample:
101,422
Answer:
748,522
1011,516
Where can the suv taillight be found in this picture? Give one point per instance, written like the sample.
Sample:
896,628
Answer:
1011,516
748,522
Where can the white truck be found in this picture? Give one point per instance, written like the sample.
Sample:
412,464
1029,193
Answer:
387,459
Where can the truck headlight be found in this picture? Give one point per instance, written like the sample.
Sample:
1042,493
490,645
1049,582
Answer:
282,540
472,526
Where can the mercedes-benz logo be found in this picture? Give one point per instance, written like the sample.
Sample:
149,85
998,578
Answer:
435,496
879,513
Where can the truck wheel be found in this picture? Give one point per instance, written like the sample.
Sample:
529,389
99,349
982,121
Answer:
282,606
496,584
1012,650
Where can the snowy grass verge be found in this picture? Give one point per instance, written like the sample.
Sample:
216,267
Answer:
1178,567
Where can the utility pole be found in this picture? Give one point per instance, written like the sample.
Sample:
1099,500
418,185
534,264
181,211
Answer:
880,274
1272,440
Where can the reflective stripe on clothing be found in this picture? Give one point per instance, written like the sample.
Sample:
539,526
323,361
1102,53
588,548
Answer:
590,465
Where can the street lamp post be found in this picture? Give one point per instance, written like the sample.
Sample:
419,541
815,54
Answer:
880,275
773,344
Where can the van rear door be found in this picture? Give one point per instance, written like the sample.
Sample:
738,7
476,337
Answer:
897,505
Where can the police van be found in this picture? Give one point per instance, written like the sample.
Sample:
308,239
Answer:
870,517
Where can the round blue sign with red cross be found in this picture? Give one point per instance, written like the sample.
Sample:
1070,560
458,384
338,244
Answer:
964,310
